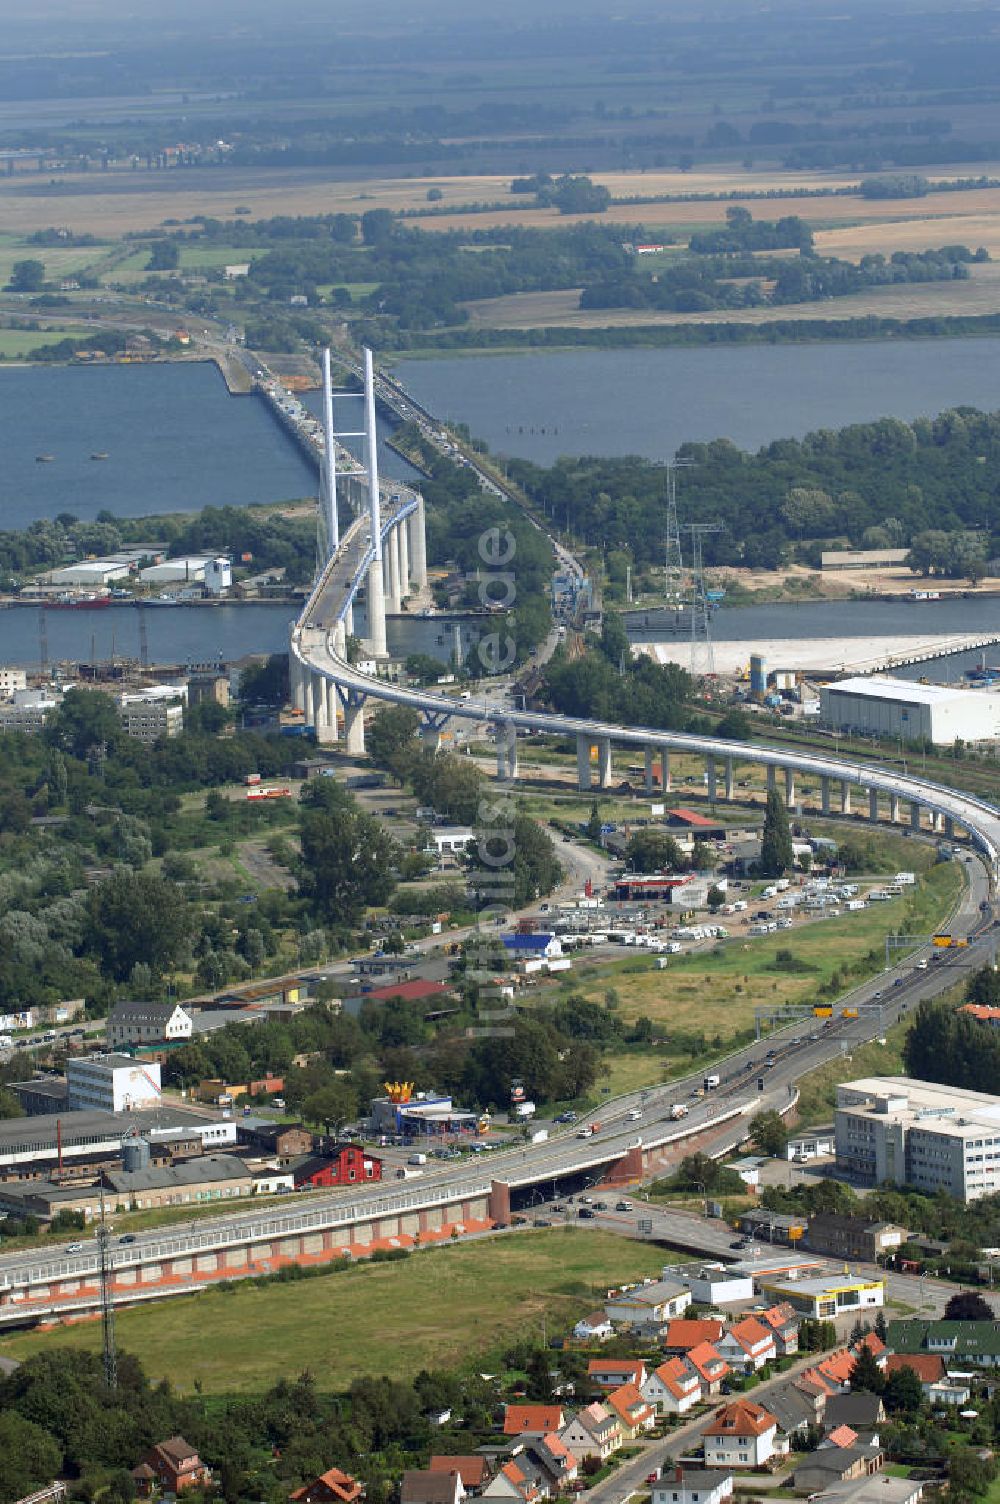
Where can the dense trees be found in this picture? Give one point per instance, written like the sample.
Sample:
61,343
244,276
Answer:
949,1046
347,856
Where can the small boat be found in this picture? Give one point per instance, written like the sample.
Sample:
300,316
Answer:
44,459
161,600
99,454
88,602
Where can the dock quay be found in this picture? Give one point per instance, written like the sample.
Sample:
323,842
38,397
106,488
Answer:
826,657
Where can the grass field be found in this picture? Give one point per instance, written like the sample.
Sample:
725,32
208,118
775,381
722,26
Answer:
15,343
59,261
446,1306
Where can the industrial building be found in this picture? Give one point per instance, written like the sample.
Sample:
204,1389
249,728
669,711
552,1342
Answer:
189,570
112,1083
39,1145
895,1129
147,1023
149,715
883,706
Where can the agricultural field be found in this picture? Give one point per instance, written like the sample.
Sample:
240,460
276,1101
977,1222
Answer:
15,343
193,258
444,1306
59,261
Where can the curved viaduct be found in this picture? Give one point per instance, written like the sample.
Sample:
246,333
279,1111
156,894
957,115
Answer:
382,554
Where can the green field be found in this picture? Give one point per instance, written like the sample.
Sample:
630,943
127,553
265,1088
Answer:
59,261
194,258
15,343
445,1306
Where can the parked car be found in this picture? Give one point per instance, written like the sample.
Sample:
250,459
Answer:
587,1211
623,1206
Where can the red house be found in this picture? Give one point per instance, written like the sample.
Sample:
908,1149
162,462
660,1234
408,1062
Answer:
344,1164
171,1465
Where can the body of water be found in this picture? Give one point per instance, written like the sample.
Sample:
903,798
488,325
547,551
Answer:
183,634
175,440
648,402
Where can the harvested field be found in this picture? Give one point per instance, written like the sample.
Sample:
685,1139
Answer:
979,295
923,234
139,200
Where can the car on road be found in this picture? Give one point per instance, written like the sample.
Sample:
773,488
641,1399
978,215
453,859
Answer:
623,1206
587,1211
600,1206
587,1200
74,1247
128,1237
898,982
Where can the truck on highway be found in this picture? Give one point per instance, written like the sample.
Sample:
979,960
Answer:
678,1110
711,1082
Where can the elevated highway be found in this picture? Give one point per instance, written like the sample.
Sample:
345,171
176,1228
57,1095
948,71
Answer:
636,1133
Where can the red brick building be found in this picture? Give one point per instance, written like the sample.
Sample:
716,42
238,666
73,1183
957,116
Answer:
172,1465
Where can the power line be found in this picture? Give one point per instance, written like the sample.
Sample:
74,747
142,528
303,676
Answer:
702,649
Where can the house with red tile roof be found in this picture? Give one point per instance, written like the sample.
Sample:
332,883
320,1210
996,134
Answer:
532,1420
748,1345
634,1414
929,1367
473,1470
594,1328
783,1322
741,1435
517,1481
556,1461
683,1334
841,1436
174,1465
331,1487
593,1432
673,1388
873,1342
710,1366
610,1373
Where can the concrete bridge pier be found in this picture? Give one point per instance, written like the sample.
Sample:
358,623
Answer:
937,822
375,595
650,770
394,594
326,730
418,546
845,797
507,766
314,701
348,620
296,683
772,777
728,780
665,779
824,794
789,788
873,805
354,720
949,827
914,815
583,763
604,762
894,808
403,539
710,773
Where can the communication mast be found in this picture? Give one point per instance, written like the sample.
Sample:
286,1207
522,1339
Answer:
107,1302
702,650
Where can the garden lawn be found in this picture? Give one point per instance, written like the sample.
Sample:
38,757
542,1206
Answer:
442,1307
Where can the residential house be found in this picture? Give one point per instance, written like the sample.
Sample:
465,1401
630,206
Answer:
796,1406
331,1487
828,1465
473,1470
852,1237
556,1461
634,1414
939,1388
285,1141
783,1322
748,1345
692,1486
682,1335
173,1466
863,1412
341,1164
593,1432
532,1420
593,1328
649,1309
673,1388
741,1435
519,1481
609,1373
424,1486
975,1344
709,1365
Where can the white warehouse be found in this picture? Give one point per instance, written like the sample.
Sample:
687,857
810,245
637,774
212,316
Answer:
916,712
